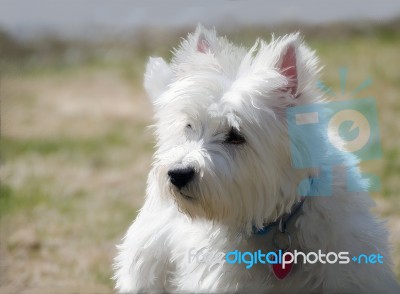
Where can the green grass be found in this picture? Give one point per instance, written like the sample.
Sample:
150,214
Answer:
25,199
14,147
91,149
33,194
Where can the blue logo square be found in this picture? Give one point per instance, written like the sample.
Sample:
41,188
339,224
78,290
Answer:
323,135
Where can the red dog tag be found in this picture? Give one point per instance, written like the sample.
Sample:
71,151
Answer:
280,272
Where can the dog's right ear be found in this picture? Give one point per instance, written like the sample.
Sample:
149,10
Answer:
157,77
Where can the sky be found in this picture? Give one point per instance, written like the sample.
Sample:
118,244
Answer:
27,18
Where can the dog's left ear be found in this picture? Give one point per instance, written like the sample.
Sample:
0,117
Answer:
157,77
297,63
287,63
287,66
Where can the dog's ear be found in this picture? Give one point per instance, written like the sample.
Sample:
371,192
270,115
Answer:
203,45
288,67
157,77
203,39
287,63
297,63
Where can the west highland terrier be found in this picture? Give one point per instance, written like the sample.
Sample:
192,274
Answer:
225,208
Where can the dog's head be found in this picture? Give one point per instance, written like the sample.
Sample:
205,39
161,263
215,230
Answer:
222,144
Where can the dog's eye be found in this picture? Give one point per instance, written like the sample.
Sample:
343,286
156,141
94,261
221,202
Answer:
233,137
189,126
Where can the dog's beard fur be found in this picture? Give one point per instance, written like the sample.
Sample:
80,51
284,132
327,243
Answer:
212,87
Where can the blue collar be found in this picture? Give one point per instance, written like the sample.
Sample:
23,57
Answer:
281,221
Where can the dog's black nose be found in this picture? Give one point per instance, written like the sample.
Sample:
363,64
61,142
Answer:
181,176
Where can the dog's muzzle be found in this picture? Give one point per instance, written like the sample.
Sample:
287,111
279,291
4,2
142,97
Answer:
180,176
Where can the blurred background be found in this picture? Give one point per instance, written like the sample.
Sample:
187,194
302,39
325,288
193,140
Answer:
75,147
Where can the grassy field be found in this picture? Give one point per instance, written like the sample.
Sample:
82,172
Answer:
75,153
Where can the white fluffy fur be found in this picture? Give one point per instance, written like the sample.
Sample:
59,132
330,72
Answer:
237,187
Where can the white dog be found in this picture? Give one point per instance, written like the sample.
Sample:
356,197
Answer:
223,182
